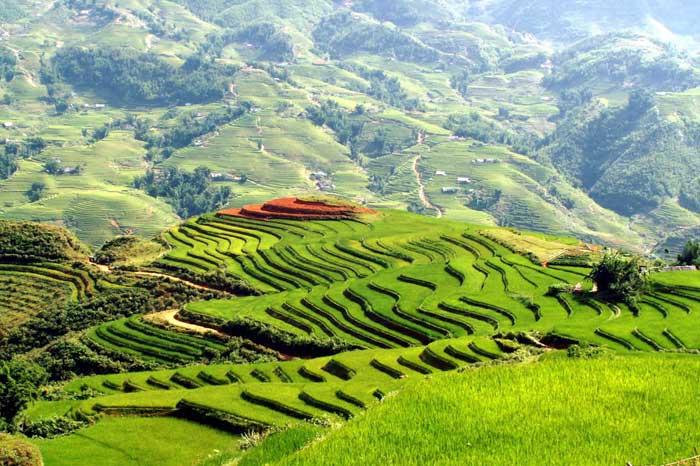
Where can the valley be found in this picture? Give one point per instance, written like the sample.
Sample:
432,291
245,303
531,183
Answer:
408,232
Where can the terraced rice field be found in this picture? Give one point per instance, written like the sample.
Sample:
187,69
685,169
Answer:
28,289
405,296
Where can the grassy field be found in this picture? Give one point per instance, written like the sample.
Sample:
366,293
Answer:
632,409
409,299
121,441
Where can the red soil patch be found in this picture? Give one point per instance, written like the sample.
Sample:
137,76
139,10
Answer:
297,209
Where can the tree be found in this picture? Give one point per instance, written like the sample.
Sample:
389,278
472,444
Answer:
690,254
19,384
36,191
620,278
61,106
53,167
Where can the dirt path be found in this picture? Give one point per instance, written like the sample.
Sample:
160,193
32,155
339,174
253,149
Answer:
107,269
175,279
20,66
170,317
421,188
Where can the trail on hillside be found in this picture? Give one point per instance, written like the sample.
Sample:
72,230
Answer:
176,279
106,269
421,188
170,317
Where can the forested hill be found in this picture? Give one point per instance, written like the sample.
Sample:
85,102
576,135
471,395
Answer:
573,118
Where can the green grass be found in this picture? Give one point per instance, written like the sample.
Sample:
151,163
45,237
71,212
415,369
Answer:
421,295
120,441
635,409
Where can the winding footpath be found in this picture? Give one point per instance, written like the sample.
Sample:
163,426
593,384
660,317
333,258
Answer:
170,317
421,188
107,269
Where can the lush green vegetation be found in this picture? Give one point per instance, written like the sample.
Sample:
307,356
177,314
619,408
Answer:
137,77
189,193
690,254
262,338
26,241
367,306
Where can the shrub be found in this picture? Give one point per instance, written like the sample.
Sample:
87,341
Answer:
690,254
619,277
27,241
17,452
53,427
19,384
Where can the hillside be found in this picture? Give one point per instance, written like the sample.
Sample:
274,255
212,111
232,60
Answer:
325,308
169,111
255,232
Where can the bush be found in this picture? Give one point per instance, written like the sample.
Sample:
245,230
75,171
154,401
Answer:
690,254
620,278
585,351
19,384
53,427
17,452
27,241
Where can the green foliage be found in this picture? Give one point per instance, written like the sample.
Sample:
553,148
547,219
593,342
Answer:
621,278
187,128
460,82
18,452
125,250
140,77
622,58
586,351
67,359
630,159
50,324
345,34
285,342
8,64
189,193
8,165
690,254
274,43
26,241
690,195
19,385
53,427
36,191
383,87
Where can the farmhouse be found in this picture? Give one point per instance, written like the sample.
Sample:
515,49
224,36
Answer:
463,180
449,190
7,125
440,173
219,176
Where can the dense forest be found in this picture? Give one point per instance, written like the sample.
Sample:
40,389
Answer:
628,158
132,76
189,193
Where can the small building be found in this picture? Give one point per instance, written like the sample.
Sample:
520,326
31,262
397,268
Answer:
219,176
8,125
463,180
318,175
100,106
680,268
440,173
449,190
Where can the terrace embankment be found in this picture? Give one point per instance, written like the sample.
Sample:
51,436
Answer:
294,208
